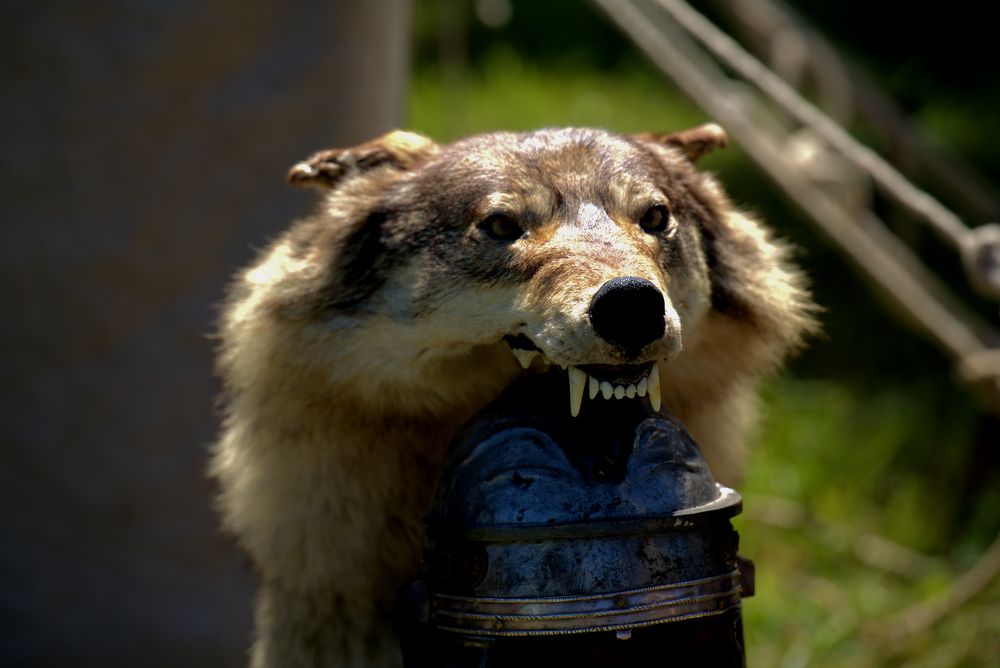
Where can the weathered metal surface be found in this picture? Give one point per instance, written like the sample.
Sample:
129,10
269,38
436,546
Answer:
609,611
604,525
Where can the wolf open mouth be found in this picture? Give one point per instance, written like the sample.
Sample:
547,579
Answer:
604,380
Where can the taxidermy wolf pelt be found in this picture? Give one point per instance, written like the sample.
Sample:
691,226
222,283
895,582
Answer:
428,279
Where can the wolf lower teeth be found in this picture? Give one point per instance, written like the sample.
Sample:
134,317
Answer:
579,380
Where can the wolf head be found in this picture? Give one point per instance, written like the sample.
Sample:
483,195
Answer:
609,255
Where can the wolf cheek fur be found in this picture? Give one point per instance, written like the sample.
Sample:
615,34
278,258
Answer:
359,341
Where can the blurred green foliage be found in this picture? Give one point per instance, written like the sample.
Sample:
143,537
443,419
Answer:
875,479
851,515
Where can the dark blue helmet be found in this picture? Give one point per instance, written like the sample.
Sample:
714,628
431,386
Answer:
549,526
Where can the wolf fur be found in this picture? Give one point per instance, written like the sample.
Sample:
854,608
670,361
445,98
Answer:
358,342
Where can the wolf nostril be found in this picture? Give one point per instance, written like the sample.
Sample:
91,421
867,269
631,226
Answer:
628,311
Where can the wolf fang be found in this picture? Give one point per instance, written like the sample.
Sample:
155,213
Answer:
358,342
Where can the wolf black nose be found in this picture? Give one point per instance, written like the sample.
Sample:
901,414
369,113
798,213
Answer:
628,311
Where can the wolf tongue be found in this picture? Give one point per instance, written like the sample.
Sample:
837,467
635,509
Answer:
577,382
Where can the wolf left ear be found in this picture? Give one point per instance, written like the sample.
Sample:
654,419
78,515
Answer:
325,169
693,142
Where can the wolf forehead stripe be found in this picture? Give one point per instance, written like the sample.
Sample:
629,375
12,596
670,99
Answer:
591,217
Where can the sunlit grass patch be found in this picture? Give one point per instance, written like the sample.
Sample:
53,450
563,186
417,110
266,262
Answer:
846,535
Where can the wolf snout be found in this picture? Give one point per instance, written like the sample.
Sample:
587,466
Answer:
628,311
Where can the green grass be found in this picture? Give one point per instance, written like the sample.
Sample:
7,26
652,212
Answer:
855,508
845,536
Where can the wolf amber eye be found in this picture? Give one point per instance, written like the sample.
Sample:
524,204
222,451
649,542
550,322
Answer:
655,219
502,227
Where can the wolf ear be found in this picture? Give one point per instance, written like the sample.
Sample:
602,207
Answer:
398,149
694,142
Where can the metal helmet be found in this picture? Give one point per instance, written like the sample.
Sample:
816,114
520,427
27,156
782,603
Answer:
558,537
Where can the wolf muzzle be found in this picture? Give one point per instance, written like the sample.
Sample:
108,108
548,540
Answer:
628,311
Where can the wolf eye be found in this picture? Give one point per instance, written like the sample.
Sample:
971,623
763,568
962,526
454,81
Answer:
502,227
656,218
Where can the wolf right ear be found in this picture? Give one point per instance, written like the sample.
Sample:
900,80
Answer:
693,142
325,169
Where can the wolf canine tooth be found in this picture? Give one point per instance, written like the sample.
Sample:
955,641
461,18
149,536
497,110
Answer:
577,381
654,387
594,387
524,356
606,389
